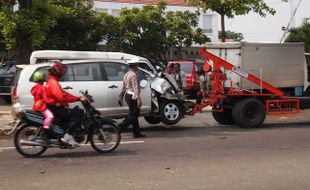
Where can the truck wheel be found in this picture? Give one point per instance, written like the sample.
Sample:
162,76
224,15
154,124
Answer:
152,119
249,113
170,112
224,118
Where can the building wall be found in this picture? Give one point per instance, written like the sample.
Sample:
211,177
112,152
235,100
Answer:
208,20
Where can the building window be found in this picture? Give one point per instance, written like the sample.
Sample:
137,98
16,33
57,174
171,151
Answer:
207,23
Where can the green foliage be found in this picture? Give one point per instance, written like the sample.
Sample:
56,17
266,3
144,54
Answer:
230,8
235,36
32,22
300,34
78,26
48,24
151,31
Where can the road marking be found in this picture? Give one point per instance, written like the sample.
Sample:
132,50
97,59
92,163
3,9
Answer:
123,142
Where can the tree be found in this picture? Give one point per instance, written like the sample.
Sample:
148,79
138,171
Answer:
231,8
150,31
27,27
48,24
300,34
235,36
78,26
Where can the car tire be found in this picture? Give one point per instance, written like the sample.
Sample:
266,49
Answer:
170,112
152,119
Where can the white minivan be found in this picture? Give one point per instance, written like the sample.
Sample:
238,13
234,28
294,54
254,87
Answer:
101,73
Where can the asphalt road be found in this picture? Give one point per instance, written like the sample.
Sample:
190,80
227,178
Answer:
196,154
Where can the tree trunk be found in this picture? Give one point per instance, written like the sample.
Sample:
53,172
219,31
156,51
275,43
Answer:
223,28
23,49
23,45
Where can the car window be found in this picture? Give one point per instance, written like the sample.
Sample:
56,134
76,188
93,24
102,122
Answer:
83,72
78,72
186,68
145,66
115,71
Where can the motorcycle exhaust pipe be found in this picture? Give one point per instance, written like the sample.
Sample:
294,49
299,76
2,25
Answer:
30,143
34,143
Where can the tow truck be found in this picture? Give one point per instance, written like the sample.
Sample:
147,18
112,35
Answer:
246,108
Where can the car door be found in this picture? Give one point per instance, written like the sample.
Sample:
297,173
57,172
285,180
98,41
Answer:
114,72
86,76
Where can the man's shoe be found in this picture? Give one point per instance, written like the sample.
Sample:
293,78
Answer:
139,136
68,139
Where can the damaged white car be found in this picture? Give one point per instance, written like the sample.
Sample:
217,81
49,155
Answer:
101,73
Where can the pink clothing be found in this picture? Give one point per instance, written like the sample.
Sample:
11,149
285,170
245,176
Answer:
48,118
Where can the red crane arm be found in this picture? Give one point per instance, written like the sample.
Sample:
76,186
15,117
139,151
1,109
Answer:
218,63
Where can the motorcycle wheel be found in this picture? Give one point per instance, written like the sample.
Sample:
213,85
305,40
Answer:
26,133
105,138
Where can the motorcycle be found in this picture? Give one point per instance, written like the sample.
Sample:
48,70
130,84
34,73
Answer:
101,132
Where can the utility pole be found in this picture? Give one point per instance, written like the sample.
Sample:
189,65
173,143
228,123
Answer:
292,20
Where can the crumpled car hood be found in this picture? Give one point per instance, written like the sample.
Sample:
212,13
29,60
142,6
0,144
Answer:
162,84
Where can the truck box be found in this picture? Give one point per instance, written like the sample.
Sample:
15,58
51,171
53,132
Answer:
281,65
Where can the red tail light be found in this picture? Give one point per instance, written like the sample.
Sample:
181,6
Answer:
14,95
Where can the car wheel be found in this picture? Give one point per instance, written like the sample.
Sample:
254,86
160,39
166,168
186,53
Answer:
152,119
170,112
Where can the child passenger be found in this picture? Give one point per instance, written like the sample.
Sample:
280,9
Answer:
40,101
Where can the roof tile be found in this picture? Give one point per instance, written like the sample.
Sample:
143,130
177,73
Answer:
152,2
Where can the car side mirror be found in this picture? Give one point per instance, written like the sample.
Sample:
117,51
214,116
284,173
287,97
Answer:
143,83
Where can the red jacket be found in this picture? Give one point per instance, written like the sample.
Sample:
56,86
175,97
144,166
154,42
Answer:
57,94
40,97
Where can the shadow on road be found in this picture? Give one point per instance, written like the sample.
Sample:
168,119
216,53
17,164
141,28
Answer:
86,153
218,130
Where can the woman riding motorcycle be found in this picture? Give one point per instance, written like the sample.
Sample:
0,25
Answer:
60,101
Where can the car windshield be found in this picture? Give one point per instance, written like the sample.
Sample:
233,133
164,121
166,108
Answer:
186,67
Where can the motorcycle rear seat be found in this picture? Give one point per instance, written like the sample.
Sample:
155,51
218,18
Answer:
34,113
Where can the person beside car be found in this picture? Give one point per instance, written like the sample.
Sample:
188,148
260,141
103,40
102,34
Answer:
61,99
179,75
131,92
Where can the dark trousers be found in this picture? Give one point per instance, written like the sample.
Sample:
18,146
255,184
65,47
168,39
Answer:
132,117
70,118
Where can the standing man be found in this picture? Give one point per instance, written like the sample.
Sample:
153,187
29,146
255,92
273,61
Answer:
179,75
131,91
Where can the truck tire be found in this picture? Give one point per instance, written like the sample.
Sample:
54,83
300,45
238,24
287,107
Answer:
249,113
170,112
224,118
152,119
